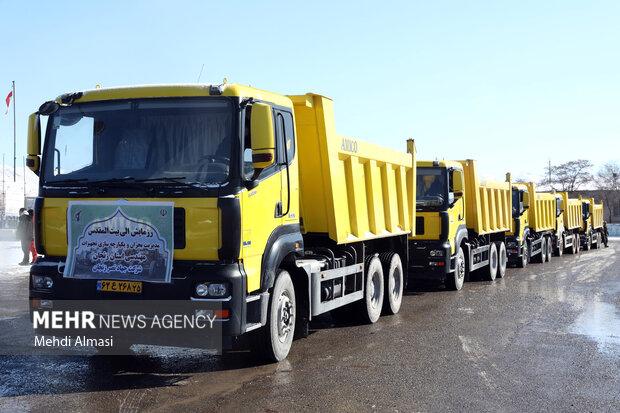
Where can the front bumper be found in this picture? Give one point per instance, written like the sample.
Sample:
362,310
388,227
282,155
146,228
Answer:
424,266
514,249
185,276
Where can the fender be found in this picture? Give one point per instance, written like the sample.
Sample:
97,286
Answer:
461,234
284,240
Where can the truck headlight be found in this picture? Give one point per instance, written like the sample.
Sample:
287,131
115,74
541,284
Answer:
215,290
202,290
511,244
436,253
218,289
40,281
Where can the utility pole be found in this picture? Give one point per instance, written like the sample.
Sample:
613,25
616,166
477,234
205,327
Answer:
14,138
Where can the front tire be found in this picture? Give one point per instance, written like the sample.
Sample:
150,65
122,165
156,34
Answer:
560,250
277,334
524,255
394,281
455,280
549,249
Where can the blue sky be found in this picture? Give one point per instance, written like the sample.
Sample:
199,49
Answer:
512,84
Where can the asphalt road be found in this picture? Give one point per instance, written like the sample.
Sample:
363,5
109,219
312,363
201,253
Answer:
545,338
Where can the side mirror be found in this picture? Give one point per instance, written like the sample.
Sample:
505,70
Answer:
458,184
262,136
526,200
33,160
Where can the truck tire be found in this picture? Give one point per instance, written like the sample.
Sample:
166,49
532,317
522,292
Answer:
525,255
576,244
276,336
502,259
394,281
560,248
549,249
588,244
596,240
541,257
490,272
455,280
373,291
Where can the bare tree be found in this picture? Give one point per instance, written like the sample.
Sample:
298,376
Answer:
569,176
608,184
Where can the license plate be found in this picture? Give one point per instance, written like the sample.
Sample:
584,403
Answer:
120,286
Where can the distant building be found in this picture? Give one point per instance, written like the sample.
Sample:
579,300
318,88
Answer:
610,199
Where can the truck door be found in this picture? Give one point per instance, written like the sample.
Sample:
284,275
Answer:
285,143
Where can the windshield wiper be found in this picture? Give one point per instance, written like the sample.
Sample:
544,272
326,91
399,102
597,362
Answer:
176,180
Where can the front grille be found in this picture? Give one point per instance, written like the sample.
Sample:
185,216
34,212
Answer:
179,228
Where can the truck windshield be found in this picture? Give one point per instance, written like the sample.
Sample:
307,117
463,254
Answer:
431,188
188,140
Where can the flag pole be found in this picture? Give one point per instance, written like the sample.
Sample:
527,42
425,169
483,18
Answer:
14,138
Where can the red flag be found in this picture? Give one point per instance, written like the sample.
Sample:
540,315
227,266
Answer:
8,102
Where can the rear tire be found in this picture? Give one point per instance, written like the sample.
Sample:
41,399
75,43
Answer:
490,271
588,244
503,259
394,281
276,337
577,244
541,257
455,280
373,291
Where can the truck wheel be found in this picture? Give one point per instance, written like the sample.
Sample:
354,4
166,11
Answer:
490,271
596,240
588,244
560,249
549,249
502,259
524,255
393,272
541,258
454,281
373,291
577,244
277,335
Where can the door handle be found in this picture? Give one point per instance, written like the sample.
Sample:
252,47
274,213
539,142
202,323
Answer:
278,213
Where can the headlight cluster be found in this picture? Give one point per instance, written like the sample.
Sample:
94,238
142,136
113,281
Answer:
436,253
41,281
512,244
212,290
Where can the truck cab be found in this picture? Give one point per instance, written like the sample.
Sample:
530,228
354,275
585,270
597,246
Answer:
440,221
220,163
517,247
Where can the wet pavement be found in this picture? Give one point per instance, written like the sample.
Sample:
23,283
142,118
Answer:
544,338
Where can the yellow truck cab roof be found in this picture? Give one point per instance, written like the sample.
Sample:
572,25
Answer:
441,164
177,90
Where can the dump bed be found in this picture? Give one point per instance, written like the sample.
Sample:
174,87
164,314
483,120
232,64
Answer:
572,212
542,209
488,204
597,214
349,189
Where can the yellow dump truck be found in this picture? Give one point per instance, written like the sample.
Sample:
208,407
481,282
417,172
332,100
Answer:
461,223
220,195
591,229
572,219
538,226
